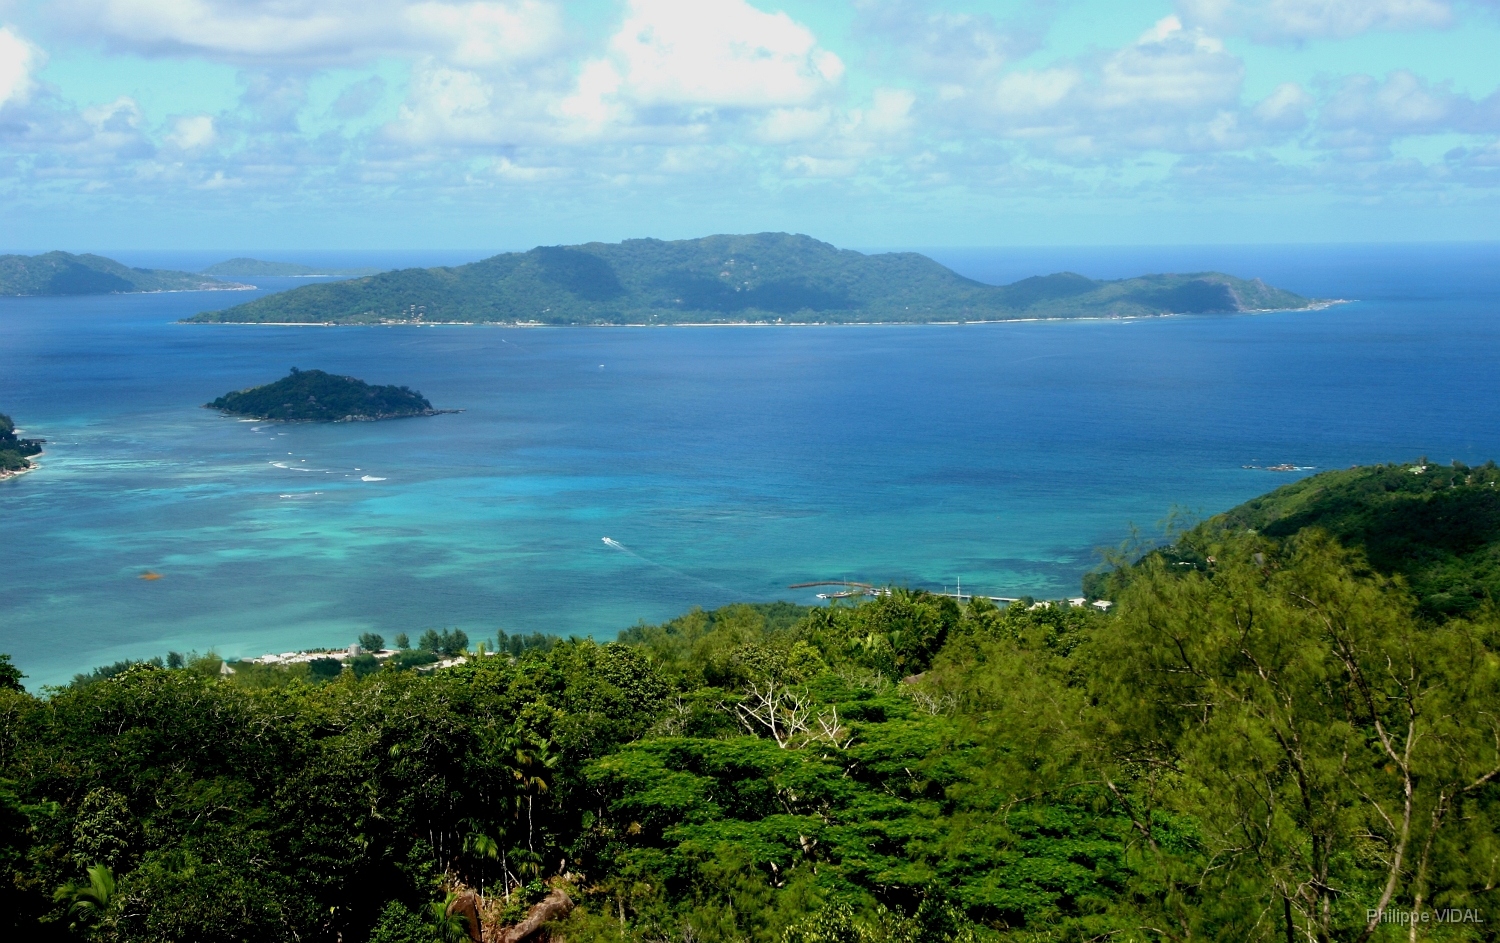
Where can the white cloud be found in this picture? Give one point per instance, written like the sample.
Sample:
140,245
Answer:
889,113
319,32
193,132
716,54
1285,108
446,105
786,125
725,96
1363,114
804,165
1033,91
1174,88
487,34
674,72
19,60
1170,67
953,49
513,173
1294,20
116,129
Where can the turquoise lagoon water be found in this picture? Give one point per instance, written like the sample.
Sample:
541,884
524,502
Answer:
726,463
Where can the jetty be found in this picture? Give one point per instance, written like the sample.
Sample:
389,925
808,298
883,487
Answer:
852,589
869,589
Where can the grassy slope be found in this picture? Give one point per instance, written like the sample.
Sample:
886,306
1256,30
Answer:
762,277
62,273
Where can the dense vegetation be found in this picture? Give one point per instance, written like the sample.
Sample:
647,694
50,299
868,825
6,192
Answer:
1272,742
249,268
315,396
62,273
15,452
1437,527
768,277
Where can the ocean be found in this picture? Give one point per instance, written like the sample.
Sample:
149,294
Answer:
724,464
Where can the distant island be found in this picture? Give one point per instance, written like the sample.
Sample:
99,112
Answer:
250,268
767,278
315,396
62,273
15,453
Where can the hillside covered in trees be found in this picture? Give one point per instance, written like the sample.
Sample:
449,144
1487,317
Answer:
315,396
63,273
1273,742
1437,527
768,277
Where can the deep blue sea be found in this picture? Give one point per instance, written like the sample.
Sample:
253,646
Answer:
726,463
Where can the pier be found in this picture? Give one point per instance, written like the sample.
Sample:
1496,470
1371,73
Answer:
868,589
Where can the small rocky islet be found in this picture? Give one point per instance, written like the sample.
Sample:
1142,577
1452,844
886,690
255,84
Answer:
316,396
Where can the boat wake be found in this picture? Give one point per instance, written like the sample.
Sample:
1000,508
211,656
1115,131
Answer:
616,545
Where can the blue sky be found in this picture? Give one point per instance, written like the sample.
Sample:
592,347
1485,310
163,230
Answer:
354,124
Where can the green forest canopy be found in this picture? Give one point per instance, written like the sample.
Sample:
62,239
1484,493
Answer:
1437,527
62,273
768,277
1273,744
312,395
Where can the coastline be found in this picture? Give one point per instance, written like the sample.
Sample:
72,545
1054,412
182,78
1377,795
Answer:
31,467
228,286
241,417
1320,305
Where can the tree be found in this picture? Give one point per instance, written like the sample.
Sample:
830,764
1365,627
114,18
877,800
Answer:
364,664
103,830
532,763
1293,745
449,642
448,926
325,669
88,901
10,675
372,642
401,641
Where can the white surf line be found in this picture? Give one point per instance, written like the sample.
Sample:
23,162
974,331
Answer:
616,545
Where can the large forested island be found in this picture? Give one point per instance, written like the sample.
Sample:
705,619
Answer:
62,273
1271,735
315,396
764,278
15,452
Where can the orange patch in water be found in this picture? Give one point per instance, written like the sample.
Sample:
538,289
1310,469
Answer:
149,575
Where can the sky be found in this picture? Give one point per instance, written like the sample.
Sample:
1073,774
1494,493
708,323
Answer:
388,124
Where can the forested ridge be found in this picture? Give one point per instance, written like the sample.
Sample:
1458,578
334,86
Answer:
63,273
1265,738
1435,526
764,278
